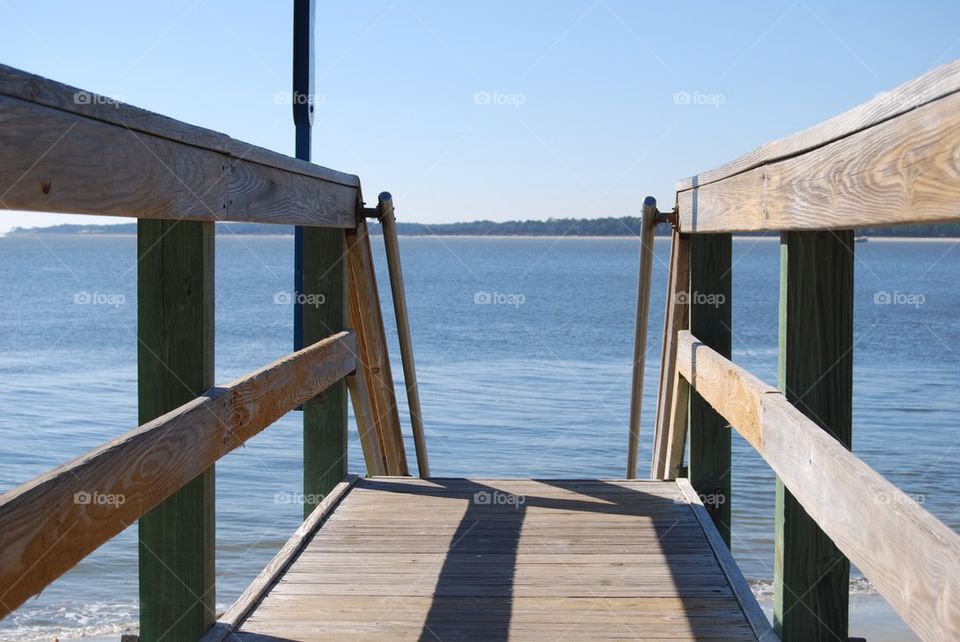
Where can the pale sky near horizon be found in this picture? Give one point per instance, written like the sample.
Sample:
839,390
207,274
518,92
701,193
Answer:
498,110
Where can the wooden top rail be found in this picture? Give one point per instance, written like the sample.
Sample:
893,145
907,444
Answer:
67,150
911,557
51,523
892,160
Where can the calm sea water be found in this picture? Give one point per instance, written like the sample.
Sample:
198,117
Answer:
535,383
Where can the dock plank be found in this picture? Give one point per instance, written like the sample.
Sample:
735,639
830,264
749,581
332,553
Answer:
464,559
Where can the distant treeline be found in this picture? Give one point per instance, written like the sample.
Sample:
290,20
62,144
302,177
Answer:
623,226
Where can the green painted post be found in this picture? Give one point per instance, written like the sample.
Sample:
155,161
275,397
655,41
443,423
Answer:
710,298
811,576
175,325
324,313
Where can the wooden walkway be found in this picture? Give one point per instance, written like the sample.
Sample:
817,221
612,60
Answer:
395,558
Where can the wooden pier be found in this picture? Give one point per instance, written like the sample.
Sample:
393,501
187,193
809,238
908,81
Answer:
393,557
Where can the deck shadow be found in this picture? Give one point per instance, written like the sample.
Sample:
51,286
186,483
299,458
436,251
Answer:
455,584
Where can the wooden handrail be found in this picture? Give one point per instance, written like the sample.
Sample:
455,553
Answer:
911,557
51,523
73,151
890,161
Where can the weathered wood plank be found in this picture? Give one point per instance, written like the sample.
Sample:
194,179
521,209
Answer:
231,618
503,573
70,162
721,548
391,243
677,427
711,320
648,222
898,171
363,414
675,319
42,520
811,576
324,313
366,320
935,84
911,557
175,359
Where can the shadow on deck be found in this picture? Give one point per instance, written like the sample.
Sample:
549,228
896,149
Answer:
456,559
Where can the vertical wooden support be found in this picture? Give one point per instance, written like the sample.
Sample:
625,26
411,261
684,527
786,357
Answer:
811,576
710,321
648,223
677,429
675,318
324,313
175,354
366,320
363,413
391,243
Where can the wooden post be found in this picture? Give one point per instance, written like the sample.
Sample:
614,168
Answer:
324,312
675,319
175,325
648,223
391,243
811,576
373,361
710,321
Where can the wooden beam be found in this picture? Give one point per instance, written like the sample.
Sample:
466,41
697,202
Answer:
933,85
675,319
811,576
324,313
677,429
75,152
901,170
711,319
366,320
911,557
391,242
175,336
233,617
721,549
367,430
51,519
732,391
648,222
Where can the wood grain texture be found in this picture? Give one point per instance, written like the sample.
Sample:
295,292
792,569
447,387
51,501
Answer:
711,320
44,530
60,161
898,171
366,320
675,319
175,364
677,428
50,93
721,548
911,557
732,391
404,558
324,313
811,575
252,595
644,281
391,244
367,430
935,84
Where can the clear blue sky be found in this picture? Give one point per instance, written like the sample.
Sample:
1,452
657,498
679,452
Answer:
588,124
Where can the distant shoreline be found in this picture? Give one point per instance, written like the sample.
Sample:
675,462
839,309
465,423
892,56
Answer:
623,227
25,232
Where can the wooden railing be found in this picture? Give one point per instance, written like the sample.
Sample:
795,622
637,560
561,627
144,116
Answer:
67,150
892,161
